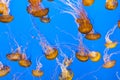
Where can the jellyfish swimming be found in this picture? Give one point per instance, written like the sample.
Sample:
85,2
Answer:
111,4
45,19
108,63
38,72
87,2
24,61
49,51
109,43
75,8
35,8
66,74
5,11
92,35
4,70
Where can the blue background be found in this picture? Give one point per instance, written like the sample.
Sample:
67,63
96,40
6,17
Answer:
21,28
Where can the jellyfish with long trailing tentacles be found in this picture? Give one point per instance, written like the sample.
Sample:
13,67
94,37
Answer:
111,4
75,8
50,51
4,9
87,2
108,63
109,43
24,61
38,72
4,70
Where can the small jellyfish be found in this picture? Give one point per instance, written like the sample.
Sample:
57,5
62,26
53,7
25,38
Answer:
109,43
14,56
6,17
92,35
38,72
4,70
119,23
106,58
45,19
87,2
66,74
111,4
94,56
75,8
24,62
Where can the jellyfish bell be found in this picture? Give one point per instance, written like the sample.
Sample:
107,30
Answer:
109,64
6,18
66,75
82,56
87,2
94,56
93,36
85,28
14,56
45,19
37,73
34,1
51,53
110,44
4,71
24,62
111,4
119,23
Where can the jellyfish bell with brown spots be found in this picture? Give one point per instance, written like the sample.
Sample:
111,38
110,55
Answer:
24,62
94,56
4,70
109,43
111,4
87,2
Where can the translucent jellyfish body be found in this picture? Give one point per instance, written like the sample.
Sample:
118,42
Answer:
111,4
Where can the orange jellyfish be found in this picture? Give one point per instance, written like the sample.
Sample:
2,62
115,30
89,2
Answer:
45,19
111,4
92,35
38,72
14,56
36,10
24,62
94,56
75,8
66,74
119,23
87,2
106,58
6,17
4,70
109,43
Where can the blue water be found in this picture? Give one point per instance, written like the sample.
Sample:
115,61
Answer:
21,29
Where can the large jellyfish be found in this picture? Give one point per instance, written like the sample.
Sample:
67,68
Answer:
87,2
4,70
50,51
76,9
108,63
111,4
109,43
5,11
38,72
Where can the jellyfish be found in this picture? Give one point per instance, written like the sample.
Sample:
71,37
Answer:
66,74
109,43
50,51
38,72
111,4
87,2
5,17
24,61
76,9
119,23
106,58
93,35
35,8
94,56
4,70
45,19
